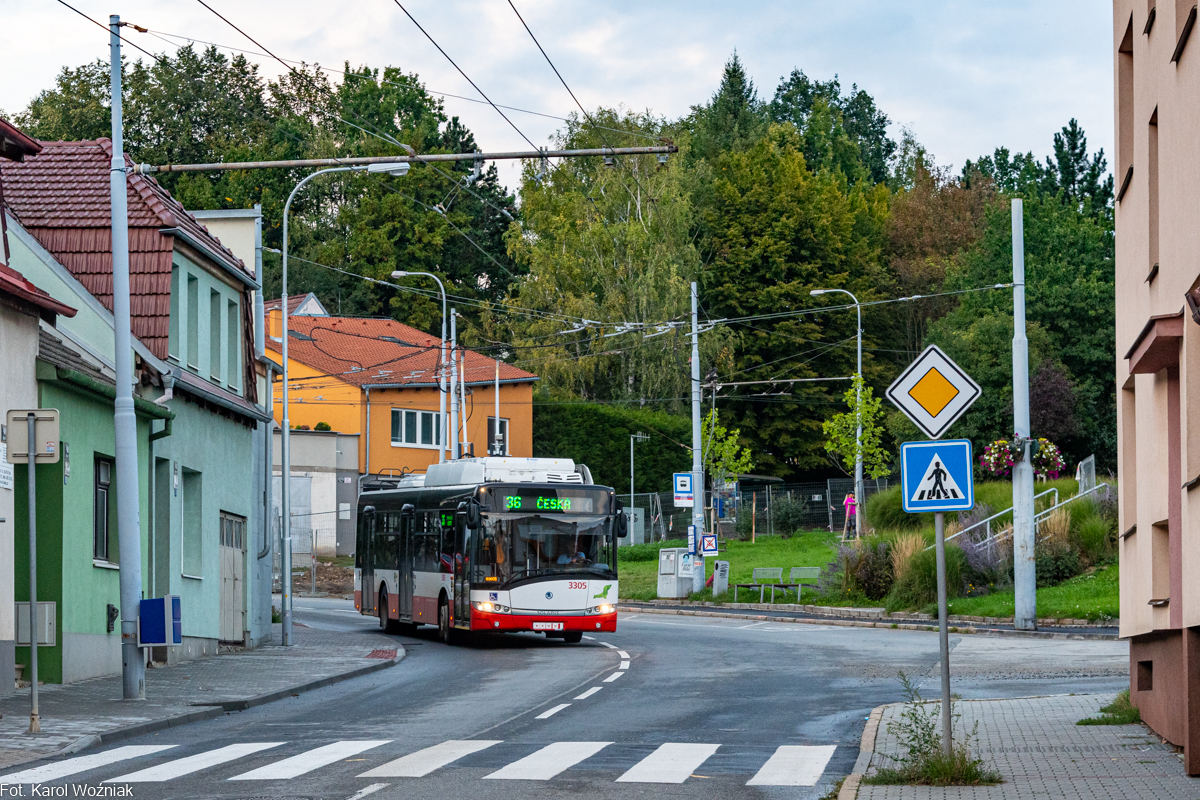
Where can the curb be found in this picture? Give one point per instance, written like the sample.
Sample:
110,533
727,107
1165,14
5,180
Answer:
854,623
214,710
866,749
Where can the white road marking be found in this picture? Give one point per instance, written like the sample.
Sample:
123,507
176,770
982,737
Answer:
752,625
794,765
609,646
613,677
308,761
624,665
186,766
72,766
590,638
549,761
552,712
622,654
589,693
670,763
423,762
366,790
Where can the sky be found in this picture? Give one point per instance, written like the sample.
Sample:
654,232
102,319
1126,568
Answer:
964,77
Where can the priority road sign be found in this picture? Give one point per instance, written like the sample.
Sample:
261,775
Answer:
708,544
933,392
937,476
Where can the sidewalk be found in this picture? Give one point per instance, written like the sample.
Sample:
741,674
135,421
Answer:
1036,745
89,713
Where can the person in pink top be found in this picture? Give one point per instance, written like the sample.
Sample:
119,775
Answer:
851,506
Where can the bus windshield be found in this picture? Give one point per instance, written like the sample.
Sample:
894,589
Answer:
515,546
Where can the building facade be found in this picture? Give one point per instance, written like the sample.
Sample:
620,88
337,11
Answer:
377,378
324,483
1157,86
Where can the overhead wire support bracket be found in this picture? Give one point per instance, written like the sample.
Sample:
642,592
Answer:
540,155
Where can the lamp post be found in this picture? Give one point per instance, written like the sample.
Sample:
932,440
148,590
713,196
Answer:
397,169
858,460
633,437
441,360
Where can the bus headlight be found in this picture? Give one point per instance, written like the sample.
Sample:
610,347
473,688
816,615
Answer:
602,609
490,608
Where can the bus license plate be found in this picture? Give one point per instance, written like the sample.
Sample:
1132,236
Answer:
547,626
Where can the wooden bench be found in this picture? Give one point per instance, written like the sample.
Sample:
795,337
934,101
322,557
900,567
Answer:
800,577
761,578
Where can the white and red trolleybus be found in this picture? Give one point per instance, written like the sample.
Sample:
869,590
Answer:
490,544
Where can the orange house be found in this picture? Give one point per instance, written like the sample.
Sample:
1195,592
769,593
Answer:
377,378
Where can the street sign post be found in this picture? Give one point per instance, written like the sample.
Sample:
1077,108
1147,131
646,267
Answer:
933,392
685,497
937,476
708,544
33,438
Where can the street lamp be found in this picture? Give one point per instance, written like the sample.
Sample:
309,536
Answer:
400,273
398,169
633,437
858,460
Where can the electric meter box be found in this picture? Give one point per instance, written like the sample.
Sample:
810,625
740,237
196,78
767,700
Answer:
674,572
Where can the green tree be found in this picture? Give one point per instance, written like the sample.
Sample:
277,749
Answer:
842,441
734,119
723,454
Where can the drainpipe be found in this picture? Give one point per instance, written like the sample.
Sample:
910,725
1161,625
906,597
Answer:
259,314
268,444
367,471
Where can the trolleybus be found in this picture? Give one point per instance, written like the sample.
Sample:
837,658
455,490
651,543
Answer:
490,544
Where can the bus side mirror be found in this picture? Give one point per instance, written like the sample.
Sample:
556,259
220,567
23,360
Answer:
368,510
408,511
622,520
473,514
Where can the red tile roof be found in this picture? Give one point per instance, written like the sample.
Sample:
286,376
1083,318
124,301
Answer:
293,303
14,144
355,351
14,283
61,196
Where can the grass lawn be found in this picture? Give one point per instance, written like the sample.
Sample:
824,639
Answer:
638,565
1091,596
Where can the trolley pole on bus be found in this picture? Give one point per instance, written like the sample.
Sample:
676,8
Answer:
697,448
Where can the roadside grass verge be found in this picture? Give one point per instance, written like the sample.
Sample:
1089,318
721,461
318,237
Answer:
1119,712
1093,596
637,565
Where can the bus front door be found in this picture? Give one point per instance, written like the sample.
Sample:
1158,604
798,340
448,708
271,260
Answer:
405,576
462,580
370,598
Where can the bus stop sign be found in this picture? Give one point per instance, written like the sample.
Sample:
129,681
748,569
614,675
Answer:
937,476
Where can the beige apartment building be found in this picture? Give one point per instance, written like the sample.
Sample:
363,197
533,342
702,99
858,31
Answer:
1157,167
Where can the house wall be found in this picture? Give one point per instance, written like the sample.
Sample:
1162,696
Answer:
81,587
329,460
211,300
19,344
1157,262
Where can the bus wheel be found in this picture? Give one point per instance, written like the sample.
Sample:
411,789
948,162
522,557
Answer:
444,632
385,624
573,637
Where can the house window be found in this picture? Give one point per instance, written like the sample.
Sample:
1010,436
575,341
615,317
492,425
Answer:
192,506
214,335
233,531
411,428
232,362
192,356
104,510
173,334
497,446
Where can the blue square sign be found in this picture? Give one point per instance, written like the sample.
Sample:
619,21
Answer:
937,476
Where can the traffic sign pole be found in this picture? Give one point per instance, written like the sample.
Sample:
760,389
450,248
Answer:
939,531
1024,565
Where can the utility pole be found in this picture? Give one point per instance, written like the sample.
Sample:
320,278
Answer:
1024,566
633,437
453,383
697,447
129,533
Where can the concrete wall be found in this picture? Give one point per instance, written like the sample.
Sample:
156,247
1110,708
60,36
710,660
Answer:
18,343
328,461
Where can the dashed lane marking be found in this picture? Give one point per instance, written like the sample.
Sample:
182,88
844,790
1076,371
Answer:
551,712
589,693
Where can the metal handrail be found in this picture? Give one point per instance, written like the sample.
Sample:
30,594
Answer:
1042,514
988,521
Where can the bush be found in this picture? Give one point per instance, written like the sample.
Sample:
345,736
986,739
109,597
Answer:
1119,712
905,548
646,552
323,426
919,586
885,512
788,516
1055,563
866,568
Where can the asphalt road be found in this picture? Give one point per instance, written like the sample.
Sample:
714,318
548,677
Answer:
699,708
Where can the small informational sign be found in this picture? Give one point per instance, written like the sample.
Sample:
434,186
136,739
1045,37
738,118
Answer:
685,565
708,544
685,497
46,438
160,622
691,538
937,476
933,392
6,469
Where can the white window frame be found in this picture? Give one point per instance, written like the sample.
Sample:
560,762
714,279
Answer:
419,415
505,427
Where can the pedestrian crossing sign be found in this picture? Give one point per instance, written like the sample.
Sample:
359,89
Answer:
937,476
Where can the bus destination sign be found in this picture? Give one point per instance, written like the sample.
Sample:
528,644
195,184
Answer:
558,502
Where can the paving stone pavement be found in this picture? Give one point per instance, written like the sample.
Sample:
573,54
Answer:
94,707
1036,745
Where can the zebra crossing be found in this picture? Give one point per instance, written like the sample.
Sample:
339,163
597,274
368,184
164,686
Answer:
670,762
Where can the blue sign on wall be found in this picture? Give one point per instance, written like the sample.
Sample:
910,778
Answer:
160,621
937,476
